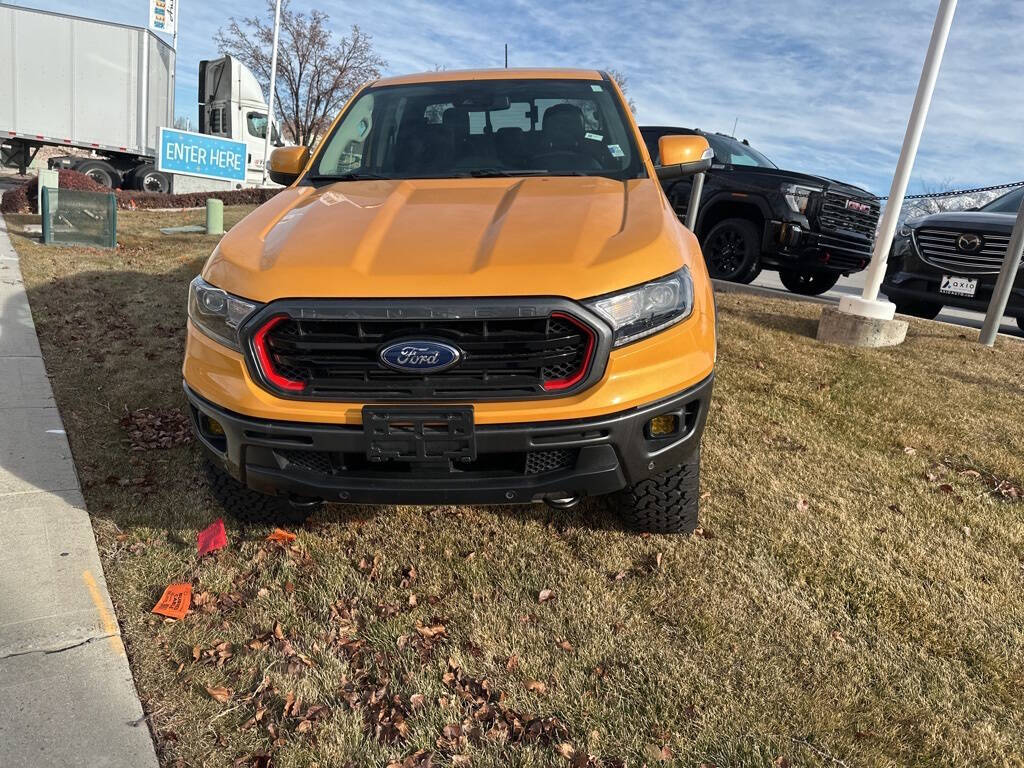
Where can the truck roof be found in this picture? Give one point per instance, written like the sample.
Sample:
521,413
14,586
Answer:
524,73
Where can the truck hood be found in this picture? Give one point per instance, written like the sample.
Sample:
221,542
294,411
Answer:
973,221
539,236
795,177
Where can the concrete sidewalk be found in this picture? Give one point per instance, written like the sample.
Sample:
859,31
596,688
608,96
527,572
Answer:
67,697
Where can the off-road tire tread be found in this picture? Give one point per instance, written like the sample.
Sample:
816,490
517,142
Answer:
248,506
665,503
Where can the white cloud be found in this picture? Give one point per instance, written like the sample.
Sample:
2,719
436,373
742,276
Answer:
819,86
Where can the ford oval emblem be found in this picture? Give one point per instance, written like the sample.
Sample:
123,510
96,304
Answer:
420,356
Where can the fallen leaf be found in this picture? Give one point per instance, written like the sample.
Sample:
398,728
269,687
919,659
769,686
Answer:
565,645
281,535
536,686
566,750
802,505
545,595
909,450
417,701
221,694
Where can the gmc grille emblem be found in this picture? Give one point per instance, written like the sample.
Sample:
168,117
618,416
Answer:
859,207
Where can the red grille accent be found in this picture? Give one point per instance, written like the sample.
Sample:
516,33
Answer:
573,379
259,342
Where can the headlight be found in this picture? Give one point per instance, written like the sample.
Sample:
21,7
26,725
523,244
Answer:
216,313
798,196
647,309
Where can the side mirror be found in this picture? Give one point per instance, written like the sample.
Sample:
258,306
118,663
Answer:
683,156
288,163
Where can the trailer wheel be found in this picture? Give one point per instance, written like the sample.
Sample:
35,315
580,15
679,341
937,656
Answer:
146,178
101,172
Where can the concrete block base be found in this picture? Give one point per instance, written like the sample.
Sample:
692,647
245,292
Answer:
837,327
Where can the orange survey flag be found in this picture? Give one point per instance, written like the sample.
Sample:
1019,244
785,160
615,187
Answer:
281,535
175,601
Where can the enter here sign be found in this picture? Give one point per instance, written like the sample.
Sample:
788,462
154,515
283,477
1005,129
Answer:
196,154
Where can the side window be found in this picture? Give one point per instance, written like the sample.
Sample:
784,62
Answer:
256,122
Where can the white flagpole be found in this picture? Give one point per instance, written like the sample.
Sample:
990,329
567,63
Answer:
273,86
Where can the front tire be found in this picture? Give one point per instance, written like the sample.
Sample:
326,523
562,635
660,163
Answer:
806,282
249,506
665,503
732,250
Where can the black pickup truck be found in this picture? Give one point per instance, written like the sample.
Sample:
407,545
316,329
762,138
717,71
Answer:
755,216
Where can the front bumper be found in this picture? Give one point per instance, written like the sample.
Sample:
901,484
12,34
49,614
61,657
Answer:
792,244
328,461
917,286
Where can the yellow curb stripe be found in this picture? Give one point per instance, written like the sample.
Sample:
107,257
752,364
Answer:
106,617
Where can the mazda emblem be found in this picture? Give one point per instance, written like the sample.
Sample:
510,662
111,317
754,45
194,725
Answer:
968,242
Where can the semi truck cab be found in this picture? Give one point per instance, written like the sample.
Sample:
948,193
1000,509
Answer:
231,105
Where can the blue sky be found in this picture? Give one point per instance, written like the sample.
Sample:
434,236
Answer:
818,85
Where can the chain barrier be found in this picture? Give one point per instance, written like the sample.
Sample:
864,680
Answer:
958,192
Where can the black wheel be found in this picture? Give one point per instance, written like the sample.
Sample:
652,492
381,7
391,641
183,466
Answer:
808,282
248,506
926,309
101,172
665,503
732,250
146,178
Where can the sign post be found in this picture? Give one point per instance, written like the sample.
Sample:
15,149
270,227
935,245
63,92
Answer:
163,17
196,154
273,91
1007,275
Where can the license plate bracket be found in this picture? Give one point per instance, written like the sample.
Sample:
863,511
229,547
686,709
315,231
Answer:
954,285
419,434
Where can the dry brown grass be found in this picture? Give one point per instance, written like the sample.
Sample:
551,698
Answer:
855,597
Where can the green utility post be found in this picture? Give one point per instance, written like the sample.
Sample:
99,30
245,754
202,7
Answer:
214,217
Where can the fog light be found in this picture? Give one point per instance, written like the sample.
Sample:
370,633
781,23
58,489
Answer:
663,426
213,427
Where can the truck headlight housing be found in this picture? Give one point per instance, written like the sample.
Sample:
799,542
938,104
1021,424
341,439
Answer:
798,196
647,309
217,313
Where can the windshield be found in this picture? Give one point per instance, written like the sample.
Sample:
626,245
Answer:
732,152
1008,203
483,128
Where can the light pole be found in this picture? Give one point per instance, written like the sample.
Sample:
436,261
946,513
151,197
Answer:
273,92
868,304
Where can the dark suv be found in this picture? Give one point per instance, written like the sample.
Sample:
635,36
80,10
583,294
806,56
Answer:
954,259
755,216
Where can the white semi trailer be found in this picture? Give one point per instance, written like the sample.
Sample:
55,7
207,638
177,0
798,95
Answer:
108,88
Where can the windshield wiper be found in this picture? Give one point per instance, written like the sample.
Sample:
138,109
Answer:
483,173
348,176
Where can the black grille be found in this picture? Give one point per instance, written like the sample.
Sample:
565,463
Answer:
319,462
539,462
513,357
329,463
846,228
942,249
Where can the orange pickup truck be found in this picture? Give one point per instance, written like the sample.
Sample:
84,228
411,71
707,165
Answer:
473,291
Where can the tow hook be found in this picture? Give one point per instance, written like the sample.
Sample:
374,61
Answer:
562,502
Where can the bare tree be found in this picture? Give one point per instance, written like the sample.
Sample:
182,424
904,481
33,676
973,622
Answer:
316,72
623,82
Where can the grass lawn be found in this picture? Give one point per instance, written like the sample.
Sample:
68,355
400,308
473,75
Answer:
855,595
